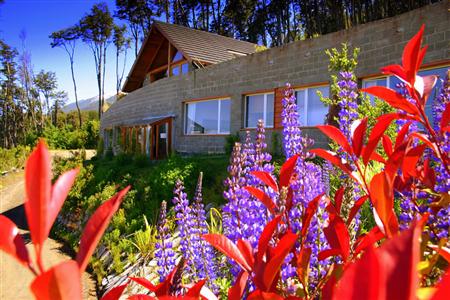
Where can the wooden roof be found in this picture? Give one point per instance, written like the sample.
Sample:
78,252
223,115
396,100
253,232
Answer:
195,45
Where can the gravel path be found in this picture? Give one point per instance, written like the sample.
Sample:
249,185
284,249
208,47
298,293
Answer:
15,279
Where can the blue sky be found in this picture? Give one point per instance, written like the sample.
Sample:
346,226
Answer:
39,18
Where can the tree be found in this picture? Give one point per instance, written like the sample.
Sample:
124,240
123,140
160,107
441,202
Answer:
9,92
66,39
122,43
96,30
138,14
59,99
46,84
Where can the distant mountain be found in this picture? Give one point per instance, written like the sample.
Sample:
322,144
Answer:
88,104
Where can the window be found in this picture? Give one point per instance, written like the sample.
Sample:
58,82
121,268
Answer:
258,107
310,109
439,71
208,117
178,56
381,81
184,68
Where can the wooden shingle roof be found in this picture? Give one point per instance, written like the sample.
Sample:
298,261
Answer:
204,46
195,45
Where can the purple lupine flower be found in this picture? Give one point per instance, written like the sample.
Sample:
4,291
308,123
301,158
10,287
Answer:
348,105
203,252
185,222
307,185
165,256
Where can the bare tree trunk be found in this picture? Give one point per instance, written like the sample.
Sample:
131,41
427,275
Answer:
75,90
103,77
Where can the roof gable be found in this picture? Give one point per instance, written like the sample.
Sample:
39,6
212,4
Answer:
195,45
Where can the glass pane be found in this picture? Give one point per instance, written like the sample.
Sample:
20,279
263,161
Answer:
316,109
269,114
255,110
162,140
184,68
176,70
202,117
225,116
300,96
374,82
178,56
441,72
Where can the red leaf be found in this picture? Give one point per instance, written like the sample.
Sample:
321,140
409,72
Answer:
367,240
265,237
411,56
387,145
303,259
337,234
310,211
377,132
335,160
62,281
425,139
266,178
282,249
194,291
327,253
393,98
286,171
263,197
362,280
114,293
96,226
336,135
382,196
145,283
38,188
247,251
12,242
443,287
445,120
59,194
338,197
401,135
237,290
411,159
444,252
224,245
358,134
146,297
428,84
389,272
395,70
356,208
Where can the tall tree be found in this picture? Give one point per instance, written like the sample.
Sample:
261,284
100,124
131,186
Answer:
96,29
122,43
9,92
138,14
59,99
67,39
46,84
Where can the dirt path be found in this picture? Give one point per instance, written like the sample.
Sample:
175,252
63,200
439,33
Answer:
15,279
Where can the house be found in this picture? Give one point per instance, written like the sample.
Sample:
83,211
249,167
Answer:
188,90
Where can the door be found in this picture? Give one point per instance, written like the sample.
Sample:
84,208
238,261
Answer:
161,135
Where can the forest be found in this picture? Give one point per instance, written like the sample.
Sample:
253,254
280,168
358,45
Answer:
30,101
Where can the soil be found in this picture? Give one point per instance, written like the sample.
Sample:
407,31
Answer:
14,278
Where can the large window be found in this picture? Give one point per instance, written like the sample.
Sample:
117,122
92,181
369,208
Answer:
258,107
310,109
208,117
380,81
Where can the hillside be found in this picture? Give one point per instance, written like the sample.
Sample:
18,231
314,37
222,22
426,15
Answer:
89,104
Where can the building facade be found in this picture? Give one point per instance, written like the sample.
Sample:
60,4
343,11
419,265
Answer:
195,110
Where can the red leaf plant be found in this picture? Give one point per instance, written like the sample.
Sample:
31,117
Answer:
42,205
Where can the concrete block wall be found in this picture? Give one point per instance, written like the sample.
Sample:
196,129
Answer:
299,63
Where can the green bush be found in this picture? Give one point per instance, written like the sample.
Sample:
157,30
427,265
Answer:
230,141
13,158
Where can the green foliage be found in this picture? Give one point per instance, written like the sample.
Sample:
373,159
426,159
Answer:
230,141
145,239
13,158
276,146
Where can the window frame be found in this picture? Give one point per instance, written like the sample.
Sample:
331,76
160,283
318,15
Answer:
219,110
306,89
264,109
